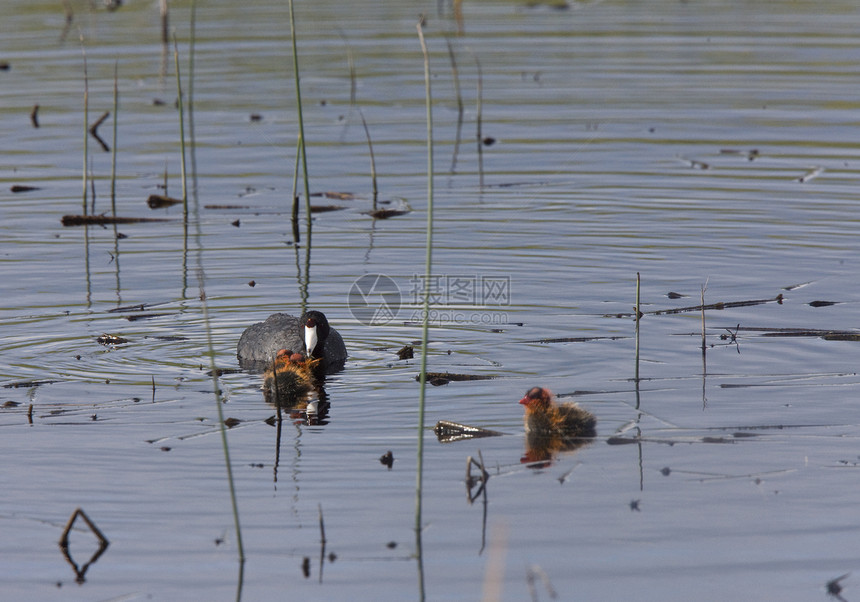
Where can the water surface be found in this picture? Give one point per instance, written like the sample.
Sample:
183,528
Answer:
696,145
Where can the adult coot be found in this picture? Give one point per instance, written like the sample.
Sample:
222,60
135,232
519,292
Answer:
260,343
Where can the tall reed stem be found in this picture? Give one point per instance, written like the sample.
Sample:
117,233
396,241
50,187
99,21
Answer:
302,137
638,313
426,311
113,146
86,122
181,128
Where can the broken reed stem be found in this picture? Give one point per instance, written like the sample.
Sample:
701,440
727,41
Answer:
165,22
638,314
181,128
295,218
302,139
372,159
426,310
113,146
86,122
322,526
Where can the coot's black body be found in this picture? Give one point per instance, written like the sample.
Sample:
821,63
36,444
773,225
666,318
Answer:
260,342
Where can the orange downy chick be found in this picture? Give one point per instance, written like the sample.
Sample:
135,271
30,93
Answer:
289,379
546,418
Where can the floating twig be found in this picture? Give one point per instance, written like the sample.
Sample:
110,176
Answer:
86,220
95,133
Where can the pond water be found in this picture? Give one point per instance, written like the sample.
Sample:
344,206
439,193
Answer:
699,145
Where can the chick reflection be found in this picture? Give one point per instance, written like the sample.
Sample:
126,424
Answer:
288,383
552,428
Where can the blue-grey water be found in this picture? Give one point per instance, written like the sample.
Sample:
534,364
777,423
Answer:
700,145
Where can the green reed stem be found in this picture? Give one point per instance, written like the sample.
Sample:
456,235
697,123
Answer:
372,158
192,44
636,376
113,146
181,128
201,277
86,122
295,196
426,310
302,137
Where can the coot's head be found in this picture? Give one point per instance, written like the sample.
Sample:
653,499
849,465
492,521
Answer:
537,398
316,332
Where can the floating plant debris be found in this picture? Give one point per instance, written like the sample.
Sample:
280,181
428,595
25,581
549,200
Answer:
387,459
34,116
325,208
27,383
672,295
386,213
101,220
447,431
406,352
158,201
576,339
827,335
810,175
139,307
340,196
226,207
717,306
111,339
135,317
822,303
443,378
19,188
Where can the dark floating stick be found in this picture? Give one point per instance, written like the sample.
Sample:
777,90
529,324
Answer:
34,116
158,201
443,378
718,306
16,188
385,213
87,220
